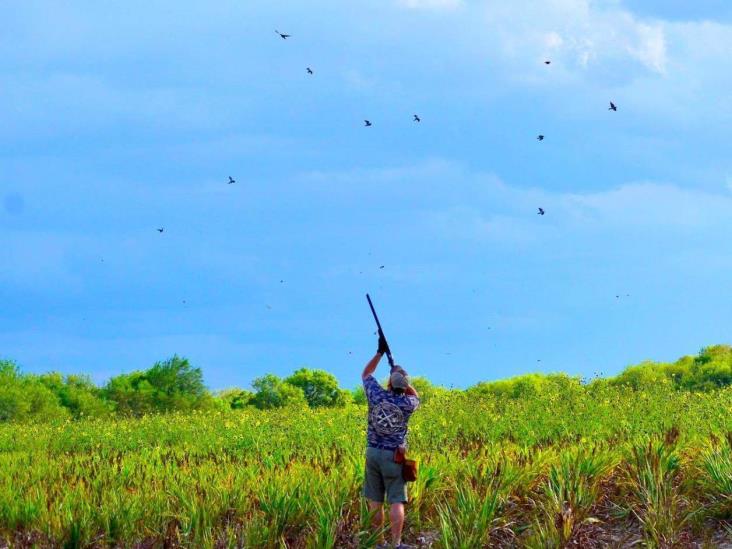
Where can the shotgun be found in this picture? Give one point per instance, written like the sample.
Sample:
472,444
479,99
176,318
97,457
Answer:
381,332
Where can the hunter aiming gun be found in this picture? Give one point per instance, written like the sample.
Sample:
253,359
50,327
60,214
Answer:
381,332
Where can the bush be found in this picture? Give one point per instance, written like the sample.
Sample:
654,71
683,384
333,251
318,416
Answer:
273,392
170,385
235,398
78,395
25,397
319,387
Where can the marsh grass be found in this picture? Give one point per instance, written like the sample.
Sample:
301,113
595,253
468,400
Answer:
569,492
525,471
654,478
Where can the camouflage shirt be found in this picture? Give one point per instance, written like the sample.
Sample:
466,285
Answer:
388,414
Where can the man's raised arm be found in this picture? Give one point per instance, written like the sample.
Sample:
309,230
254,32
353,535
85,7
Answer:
371,366
374,362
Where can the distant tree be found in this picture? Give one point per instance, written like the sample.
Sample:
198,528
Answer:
23,397
131,393
643,375
235,398
169,385
78,394
358,395
426,389
710,369
319,387
272,392
525,386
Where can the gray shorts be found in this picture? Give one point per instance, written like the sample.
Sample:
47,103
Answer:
384,477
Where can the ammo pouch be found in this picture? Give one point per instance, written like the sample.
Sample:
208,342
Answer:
409,466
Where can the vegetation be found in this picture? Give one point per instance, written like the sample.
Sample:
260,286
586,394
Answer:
538,461
175,385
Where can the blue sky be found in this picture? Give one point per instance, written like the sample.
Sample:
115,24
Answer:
119,118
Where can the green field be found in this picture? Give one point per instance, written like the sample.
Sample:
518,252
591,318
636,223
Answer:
571,465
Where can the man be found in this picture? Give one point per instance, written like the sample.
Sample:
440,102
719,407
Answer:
389,412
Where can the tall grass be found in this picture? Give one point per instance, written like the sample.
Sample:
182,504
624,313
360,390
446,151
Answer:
523,472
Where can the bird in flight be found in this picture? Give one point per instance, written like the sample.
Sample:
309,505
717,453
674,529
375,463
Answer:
417,118
381,267
231,180
612,107
366,123
547,62
161,229
540,137
310,71
283,36
541,211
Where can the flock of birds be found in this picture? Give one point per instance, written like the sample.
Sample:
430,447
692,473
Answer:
416,118
367,123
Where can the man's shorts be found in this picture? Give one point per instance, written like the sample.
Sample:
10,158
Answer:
384,477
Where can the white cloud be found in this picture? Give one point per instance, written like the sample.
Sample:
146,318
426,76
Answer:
578,33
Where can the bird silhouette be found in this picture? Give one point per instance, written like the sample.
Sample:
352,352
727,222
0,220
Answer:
547,62
310,71
540,137
540,212
231,180
417,118
381,267
612,107
161,229
282,35
366,123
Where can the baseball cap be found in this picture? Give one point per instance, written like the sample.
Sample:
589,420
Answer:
399,378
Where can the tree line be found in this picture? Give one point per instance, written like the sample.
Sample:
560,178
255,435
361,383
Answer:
175,385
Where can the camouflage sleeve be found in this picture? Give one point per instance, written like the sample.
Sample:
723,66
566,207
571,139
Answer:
372,388
414,401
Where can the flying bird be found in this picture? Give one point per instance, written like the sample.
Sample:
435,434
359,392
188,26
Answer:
310,71
161,229
417,118
612,107
231,180
540,137
283,36
547,62
381,267
540,212
367,123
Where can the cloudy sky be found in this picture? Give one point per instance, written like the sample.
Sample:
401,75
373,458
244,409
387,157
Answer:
121,118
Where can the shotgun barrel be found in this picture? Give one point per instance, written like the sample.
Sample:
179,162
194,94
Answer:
381,332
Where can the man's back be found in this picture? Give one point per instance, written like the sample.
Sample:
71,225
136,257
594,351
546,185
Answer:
388,415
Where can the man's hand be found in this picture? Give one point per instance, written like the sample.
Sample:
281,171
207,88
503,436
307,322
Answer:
383,345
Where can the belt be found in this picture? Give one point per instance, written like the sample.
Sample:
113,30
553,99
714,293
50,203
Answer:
383,447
